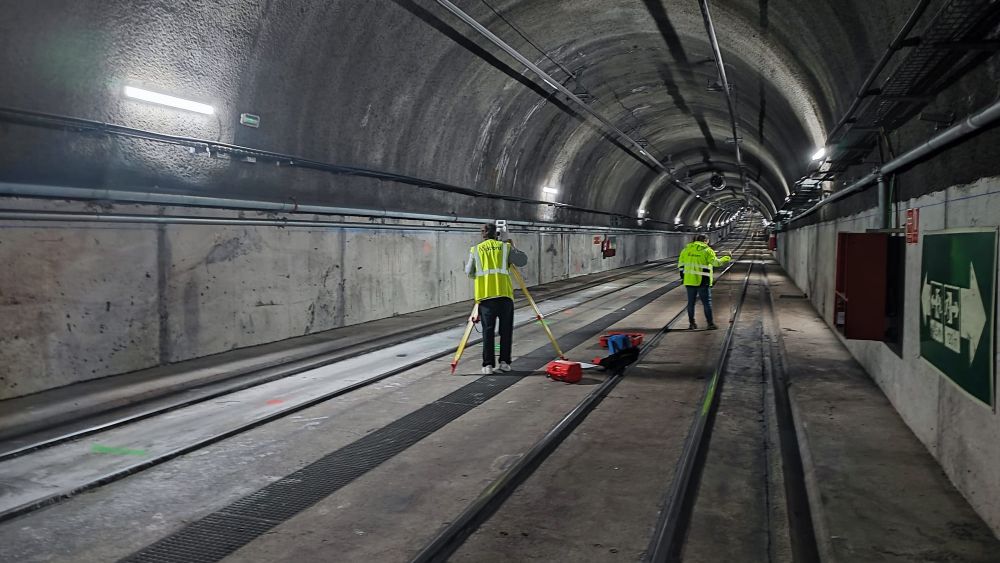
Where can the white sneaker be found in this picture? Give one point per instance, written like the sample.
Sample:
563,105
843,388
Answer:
487,370
504,366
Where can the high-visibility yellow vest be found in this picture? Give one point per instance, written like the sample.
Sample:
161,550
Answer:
492,276
698,260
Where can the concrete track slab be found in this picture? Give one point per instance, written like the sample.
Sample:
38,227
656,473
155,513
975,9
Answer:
401,505
732,520
63,469
24,420
597,497
185,499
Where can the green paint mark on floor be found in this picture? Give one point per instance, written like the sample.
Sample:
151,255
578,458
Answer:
99,449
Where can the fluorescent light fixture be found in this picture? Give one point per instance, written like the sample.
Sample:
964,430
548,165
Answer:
549,190
642,211
677,219
819,154
697,223
163,99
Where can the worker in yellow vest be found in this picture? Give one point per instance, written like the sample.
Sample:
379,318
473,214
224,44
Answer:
488,264
696,265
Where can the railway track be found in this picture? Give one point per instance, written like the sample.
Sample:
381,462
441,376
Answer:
312,381
689,503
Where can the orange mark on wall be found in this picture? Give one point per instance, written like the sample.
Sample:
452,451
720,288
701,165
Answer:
428,248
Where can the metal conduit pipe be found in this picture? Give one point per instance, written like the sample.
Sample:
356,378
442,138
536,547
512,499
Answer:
76,124
75,217
968,126
63,192
21,215
555,84
64,216
883,203
894,46
710,28
124,196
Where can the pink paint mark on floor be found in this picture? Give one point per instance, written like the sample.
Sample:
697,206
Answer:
275,401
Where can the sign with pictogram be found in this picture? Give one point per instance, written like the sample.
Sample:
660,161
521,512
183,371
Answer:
913,226
608,247
957,305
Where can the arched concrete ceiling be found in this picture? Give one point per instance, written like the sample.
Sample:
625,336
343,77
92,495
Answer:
404,86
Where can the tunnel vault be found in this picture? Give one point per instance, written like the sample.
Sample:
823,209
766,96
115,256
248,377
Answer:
399,104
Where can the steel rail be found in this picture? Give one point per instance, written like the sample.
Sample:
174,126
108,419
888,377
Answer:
278,414
306,363
454,535
666,540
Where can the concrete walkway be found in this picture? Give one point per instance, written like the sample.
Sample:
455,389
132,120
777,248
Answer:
876,494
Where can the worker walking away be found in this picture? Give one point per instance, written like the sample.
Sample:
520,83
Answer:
696,265
488,264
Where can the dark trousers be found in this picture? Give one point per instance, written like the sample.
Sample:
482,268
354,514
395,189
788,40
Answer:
490,310
705,292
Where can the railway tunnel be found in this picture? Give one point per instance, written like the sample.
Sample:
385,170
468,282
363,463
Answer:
237,239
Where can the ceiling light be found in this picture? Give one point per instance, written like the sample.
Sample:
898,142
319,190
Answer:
549,190
819,154
677,219
642,211
163,99
697,223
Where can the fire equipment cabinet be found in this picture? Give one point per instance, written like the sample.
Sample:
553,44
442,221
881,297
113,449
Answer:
862,292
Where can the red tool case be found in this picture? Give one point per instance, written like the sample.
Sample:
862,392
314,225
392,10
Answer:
562,370
635,337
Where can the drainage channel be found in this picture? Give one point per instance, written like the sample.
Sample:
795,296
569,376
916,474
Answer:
226,530
15,447
802,535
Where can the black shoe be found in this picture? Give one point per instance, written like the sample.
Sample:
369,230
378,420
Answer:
711,326
692,326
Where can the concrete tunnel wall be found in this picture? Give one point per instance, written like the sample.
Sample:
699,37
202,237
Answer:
959,431
87,300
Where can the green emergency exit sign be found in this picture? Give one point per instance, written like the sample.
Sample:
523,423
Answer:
957,307
250,120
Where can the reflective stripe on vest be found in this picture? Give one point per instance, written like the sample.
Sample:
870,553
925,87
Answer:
492,276
694,264
480,271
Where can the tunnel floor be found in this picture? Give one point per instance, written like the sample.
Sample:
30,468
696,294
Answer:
373,454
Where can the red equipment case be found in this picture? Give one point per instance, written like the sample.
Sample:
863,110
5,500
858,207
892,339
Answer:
635,337
562,370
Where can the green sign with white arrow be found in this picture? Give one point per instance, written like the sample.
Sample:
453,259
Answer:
957,304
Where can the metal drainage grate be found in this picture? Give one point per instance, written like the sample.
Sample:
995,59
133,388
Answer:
432,417
478,392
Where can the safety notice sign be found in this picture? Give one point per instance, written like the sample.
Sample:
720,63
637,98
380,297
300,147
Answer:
957,306
913,226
